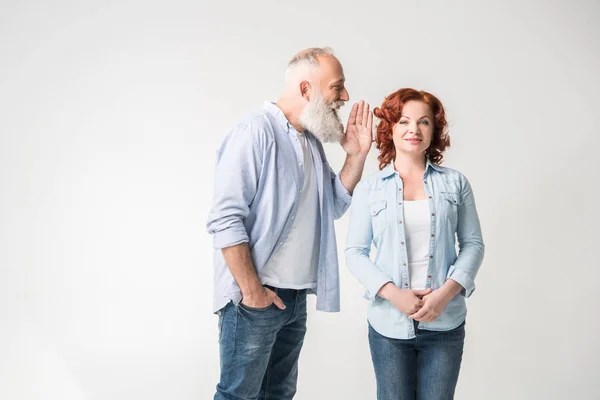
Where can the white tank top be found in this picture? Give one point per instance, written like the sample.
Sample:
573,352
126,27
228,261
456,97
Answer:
417,227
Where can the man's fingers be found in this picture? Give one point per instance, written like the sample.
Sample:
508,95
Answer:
276,299
352,117
278,302
360,113
365,118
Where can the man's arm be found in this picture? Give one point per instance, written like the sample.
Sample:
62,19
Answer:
254,294
239,162
352,171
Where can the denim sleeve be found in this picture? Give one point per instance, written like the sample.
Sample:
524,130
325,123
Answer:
470,242
358,245
236,179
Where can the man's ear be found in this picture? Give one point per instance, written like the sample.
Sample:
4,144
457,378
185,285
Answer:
305,90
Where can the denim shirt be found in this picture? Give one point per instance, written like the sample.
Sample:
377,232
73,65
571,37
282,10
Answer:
259,178
376,216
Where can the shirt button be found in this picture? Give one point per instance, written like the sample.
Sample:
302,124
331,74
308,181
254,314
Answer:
429,276
300,190
426,182
293,216
406,284
432,235
404,264
430,197
400,221
300,164
400,189
430,256
402,243
399,204
281,243
433,214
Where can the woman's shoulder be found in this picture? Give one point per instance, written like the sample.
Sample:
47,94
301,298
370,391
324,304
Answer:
373,181
451,173
453,176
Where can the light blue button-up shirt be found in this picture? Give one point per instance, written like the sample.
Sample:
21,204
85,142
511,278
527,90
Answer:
376,216
259,176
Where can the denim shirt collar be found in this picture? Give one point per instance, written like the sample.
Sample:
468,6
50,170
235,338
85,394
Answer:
389,170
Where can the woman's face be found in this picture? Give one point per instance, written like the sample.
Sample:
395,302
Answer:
414,131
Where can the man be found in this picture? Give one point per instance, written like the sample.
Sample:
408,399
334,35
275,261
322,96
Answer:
272,223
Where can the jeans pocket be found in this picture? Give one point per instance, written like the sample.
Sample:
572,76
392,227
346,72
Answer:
252,309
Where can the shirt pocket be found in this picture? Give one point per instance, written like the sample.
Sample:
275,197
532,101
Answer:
449,202
378,210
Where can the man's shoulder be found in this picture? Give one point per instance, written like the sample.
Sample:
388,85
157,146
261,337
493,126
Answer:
258,124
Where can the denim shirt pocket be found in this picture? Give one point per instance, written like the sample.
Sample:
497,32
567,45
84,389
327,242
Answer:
378,210
449,206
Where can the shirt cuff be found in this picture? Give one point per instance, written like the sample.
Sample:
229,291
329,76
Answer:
340,190
463,279
374,287
230,237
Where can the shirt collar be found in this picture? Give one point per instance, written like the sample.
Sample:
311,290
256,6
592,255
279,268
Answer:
434,166
389,170
276,112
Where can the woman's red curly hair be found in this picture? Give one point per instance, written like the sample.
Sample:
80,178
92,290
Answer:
389,114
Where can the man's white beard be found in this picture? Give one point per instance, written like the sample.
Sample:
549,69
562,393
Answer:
322,119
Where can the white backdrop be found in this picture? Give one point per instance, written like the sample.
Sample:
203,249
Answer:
110,116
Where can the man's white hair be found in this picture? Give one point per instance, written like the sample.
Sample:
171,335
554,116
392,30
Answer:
306,63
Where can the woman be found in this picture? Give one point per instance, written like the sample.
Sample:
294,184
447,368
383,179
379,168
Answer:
411,210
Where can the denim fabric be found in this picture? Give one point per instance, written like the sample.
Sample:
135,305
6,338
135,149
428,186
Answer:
423,368
260,348
376,217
